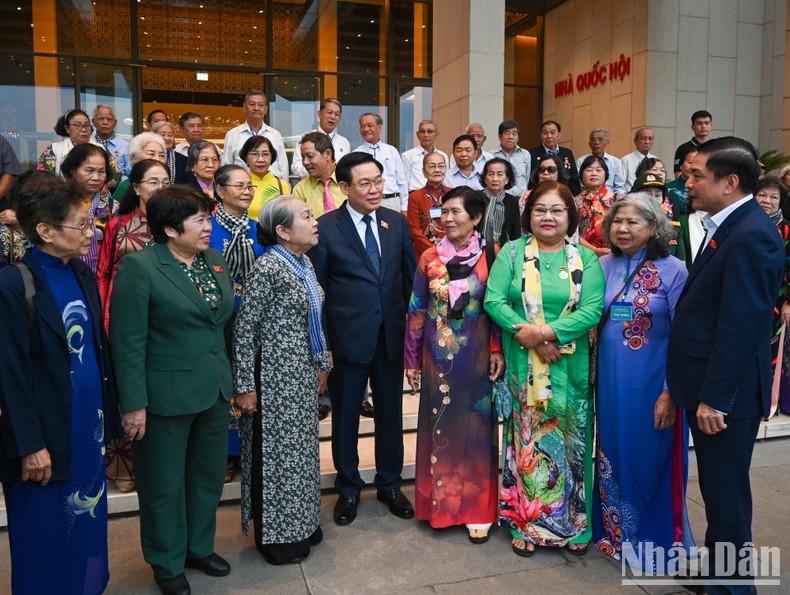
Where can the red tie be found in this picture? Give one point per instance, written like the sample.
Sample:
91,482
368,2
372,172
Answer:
329,198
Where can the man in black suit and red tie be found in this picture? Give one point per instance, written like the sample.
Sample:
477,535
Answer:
365,263
719,361
550,132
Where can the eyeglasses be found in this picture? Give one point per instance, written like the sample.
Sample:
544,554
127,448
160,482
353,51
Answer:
423,131
240,187
366,185
154,183
256,154
87,224
552,169
556,210
81,126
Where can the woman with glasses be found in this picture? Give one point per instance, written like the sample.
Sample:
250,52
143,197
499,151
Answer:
259,154
425,205
593,203
58,399
502,222
202,163
146,145
176,163
546,292
549,167
235,236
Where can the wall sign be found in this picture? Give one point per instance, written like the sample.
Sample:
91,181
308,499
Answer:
597,75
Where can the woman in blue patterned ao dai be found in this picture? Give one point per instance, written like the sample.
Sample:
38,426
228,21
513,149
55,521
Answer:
642,450
53,429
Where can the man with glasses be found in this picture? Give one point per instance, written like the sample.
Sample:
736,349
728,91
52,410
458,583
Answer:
104,123
365,263
329,115
256,106
427,131
599,141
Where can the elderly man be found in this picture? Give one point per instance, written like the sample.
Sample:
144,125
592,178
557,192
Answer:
643,141
329,114
154,117
425,205
550,133
104,123
466,171
520,159
255,106
599,141
396,193
701,126
476,131
319,189
191,126
427,131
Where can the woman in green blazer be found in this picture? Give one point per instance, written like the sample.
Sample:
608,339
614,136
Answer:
168,313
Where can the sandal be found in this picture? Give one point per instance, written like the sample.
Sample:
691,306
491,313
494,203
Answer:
229,471
480,537
580,551
524,552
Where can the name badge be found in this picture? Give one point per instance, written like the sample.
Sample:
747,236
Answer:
623,311
436,212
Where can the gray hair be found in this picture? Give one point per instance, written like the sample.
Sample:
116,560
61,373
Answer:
649,209
194,151
161,124
379,121
96,109
252,92
603,130
139,142
274,213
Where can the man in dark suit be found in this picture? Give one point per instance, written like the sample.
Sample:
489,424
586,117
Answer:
365,262
550,132
719,347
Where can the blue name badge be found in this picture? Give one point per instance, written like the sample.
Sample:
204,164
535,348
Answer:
622,311
436,212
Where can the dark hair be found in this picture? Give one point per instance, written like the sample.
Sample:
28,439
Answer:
644,165
252,143
194,151
79,155
321,142
351,160
731,155
254,92
65,120
509,125
590,161
701,114
222,175
474,202
458,140
188,116
508,172
150,116
564,193
326,100
774,182
684,152
557,124
130,199
562,173
170,207
42,197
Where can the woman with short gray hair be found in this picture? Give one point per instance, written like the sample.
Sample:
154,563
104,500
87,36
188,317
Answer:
642,450
146,145
278,330
202,163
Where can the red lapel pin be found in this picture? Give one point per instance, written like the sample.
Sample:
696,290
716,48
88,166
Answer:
712,244
217,268
385,225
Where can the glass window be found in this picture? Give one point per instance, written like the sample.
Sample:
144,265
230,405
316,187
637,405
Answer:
99,28
411,31
295,34
108,85
361,38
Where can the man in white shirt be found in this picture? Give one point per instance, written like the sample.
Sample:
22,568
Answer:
191,126
329,115
396,193
643,141
427,131
599,140
520,159
255,106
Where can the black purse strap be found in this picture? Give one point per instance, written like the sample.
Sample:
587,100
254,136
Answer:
30,291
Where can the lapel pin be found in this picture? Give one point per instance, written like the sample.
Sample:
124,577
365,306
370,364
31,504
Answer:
385,225
217,268
712,244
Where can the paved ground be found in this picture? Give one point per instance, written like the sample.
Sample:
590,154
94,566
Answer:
380,553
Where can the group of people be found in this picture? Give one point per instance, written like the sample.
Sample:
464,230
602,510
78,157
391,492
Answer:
555,295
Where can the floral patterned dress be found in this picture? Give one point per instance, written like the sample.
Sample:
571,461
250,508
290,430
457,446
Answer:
456,478
281,490
593,207
13,244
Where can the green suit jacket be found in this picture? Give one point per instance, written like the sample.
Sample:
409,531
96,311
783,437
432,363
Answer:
168,347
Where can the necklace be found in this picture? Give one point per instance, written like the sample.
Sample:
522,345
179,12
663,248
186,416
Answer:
549,262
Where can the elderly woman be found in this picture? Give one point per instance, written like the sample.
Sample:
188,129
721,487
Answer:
89,166
502,222
593,203
146,145
202,163
236,238
546,293
642,438
278,332
169,309
548,167
452,345
176,162
57,399
425,205
654,186
652,165
259,153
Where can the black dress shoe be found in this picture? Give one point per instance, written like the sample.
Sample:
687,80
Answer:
346,509
367,409
399,504
323,411
178,585
213,565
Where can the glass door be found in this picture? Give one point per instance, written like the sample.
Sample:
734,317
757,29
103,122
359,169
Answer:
111,85
414,103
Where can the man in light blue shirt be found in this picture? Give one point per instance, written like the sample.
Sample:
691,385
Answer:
599,140
104,122
520,159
